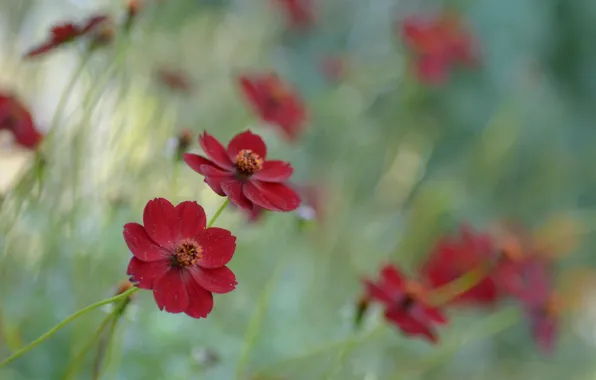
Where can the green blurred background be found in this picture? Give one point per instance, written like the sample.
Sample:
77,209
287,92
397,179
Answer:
402,163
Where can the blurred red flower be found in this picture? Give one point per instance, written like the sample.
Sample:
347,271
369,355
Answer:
438,43
405,303
15,118
65,33
242,173
544,322
275,103
175,80
299,13
453,257
177,257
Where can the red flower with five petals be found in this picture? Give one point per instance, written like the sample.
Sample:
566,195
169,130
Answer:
275,103
299,13
177,257
243,174
65,33
405,303
15,118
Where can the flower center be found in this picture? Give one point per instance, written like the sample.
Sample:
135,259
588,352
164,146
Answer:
248,162
187,253
413,292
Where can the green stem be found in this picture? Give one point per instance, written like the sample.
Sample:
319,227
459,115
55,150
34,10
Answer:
218,213
66,321
104,351
459,286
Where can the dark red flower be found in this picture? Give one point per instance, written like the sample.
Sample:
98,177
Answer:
275,103
299,13
15,118
175,80
438,43
242,173
405,303
65,33
453,257
177,257
544,322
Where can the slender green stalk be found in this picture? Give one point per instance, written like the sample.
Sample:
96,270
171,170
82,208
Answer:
104,351
218,213
459,286
66,321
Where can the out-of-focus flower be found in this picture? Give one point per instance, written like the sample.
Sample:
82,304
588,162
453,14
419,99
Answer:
177,257
438,43
453,257
405,303
15,118
300,14
64,33
175,80
243,174
133,7
275,103
361,308
334,68
544,322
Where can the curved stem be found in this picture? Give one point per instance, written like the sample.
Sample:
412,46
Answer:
218,213
66,321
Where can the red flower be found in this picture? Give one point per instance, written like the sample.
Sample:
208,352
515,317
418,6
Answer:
544,322
175,80
178,258
242,173
15,118
66,32
438,43
405,303
275,103
299,13
453,257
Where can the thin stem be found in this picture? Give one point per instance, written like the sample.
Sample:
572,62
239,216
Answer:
66,321
218,213
459,286
104,350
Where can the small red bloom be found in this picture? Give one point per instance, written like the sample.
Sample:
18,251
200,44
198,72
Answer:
544,322
175,80
453,257
242,173
299,13
15,118
177,257
275,103
405,304
65,33
438,43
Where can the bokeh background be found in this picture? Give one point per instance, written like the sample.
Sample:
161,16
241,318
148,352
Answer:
401,163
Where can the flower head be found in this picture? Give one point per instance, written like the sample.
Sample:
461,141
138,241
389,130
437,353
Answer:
242,173
299,13
275,103
177,257
64,33
405,303
15,118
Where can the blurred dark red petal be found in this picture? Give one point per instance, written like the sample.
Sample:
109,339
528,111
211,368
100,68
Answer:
212,171
141,245
544,331
191,218
432,69
391,276
376,293
282,197
247,140
93,22
233,189
218,247
40,50
215,151
257,198
219,280
200,300
215,184
170,291
409,325
274,171
161,221
250,90
434,314
145,273
195,162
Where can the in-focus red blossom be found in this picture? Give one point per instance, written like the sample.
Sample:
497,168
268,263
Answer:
15,118
243,174
64,33
438,43
453,257
544,322
275,103
405,303
175,80
177,257
300,14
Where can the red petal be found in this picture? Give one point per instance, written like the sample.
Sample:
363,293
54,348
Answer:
42,49
432,69
212,171
278,195
233,189
255,196
194,161
200,301
274,171
161,222
218,247
144,274
409,325
392,277
215,151
170,291
192,219
215,184
141,245
377,293
219,280
247,140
